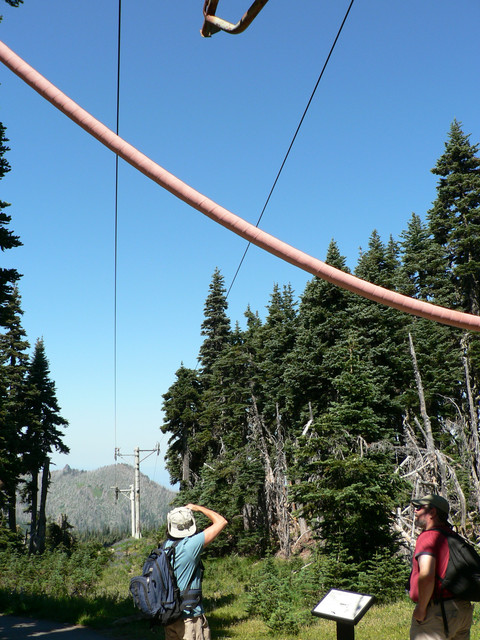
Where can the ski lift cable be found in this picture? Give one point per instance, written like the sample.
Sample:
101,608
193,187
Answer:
115,233
293,140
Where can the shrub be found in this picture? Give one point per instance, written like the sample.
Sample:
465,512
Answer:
282,594
383,576
58,574
277,595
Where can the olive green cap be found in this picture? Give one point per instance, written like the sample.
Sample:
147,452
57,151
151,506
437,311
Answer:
433,500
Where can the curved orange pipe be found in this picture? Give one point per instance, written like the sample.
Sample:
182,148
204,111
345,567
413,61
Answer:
221,215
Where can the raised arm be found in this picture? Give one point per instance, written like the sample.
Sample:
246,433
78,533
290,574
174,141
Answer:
218,522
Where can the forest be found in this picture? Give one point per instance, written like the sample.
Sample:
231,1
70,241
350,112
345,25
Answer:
314,427
310,430
30,419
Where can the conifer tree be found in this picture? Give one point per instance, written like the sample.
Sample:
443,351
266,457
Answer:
454,222
380,333
8,240
337,471
182,406
8,280
278,339
41,435
13,367
214,371
455,216
322,320
424,266
216,324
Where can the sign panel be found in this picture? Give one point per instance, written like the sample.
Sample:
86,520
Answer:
343,606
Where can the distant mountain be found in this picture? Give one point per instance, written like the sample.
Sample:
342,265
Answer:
88,499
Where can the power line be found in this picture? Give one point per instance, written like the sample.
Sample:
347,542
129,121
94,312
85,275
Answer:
293,140
119,30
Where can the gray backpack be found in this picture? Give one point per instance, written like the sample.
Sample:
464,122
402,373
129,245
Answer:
156,592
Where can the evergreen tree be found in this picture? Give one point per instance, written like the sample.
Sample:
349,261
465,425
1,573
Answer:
214,374
13,367
182,406
454,222
424,267
278,340
216,325
8,277
8,384
380,335
338,474
349,499
455,217
41,435
322,319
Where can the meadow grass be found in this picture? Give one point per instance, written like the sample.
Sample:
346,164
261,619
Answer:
108,607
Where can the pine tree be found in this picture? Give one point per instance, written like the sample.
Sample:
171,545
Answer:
13,367
278,339
322,319
8,277
338,474
424,267
182,406
41,435
216,325
380,333
214,375
454,222
455,217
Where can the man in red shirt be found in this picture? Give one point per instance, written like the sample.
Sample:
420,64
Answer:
437,614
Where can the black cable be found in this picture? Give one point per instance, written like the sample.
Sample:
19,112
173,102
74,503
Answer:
116,235
293,140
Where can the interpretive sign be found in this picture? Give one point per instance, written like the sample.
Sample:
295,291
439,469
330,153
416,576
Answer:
346,608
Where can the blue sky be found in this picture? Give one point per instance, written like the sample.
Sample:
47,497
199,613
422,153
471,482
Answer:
220,114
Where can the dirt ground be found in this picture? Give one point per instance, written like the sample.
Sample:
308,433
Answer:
13,628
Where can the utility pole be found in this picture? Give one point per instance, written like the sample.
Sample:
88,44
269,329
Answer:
137,493
131,496
135,488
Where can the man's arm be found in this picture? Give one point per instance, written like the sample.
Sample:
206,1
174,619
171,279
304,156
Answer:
218,522
426,585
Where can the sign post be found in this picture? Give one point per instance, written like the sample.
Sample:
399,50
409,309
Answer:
346,608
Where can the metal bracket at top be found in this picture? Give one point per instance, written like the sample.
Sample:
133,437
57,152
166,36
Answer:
213,24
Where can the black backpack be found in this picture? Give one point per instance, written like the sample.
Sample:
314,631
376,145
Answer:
156,592
462,577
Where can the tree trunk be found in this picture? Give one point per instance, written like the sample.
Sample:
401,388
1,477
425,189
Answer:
185,461
281,498
33,511
474,449
42,516
12,507
421,397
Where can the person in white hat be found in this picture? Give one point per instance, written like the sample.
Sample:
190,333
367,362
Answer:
438,615
182,529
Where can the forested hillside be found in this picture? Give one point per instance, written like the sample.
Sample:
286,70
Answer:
88,500
322,420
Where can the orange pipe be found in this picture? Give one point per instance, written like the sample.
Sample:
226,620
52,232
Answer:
224,217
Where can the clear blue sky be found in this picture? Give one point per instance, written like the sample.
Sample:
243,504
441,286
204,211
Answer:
220,114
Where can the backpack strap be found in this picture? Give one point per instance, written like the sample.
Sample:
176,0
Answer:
190,597
193,597
446,533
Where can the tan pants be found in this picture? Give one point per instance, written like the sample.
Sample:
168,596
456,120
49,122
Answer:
188,629
459,617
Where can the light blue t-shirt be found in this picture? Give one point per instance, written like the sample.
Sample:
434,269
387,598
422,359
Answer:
187,564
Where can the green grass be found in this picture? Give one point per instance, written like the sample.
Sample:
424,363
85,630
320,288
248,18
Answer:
107,606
